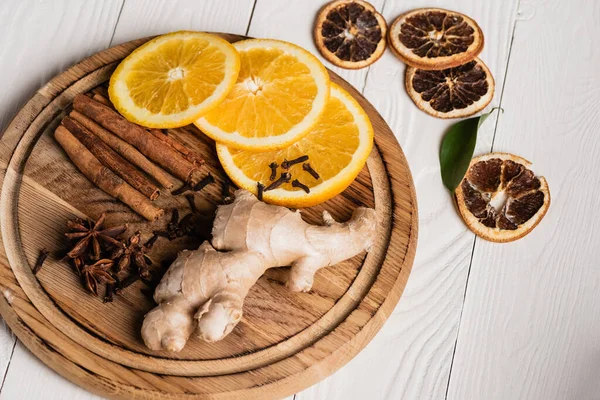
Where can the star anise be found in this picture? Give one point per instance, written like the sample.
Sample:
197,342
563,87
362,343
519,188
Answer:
99,272
89,235
133,253
78,264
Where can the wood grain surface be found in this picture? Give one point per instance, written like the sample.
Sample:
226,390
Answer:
516,316
283,344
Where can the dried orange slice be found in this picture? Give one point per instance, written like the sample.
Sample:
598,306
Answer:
434,38
337,149
451,93
350,33
500,198
279,95
173,79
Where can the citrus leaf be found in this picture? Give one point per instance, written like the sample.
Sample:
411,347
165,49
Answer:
457,149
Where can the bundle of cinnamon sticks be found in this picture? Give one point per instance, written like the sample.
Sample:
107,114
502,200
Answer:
127,161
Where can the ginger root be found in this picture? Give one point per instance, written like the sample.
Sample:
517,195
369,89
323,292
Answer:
205,289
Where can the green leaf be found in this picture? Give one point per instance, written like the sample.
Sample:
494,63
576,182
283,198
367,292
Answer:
457,149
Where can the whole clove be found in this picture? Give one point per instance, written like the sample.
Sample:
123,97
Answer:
191,200
207,180
225,189
186,226
284,178
184,188
310,170
150,243
110,290
287,164
260,190
174,217
273,167
227,184
40,261
297,184
164,234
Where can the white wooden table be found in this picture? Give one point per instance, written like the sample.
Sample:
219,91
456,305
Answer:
477,320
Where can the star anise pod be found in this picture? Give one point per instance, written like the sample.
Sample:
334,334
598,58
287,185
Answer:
78,264
133,254
89,236
99,272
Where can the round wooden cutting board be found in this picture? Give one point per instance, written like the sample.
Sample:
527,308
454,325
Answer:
285,342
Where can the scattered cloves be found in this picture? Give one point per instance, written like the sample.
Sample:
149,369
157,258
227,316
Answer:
225,189
310,170
184,188
150,243
40,261
110,290
185,225
260,190
207,180
273,167
296,183
287,164
284,178
227,184
192,202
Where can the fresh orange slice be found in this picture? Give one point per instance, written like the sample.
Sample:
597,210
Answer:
173,79
500,198
337,149
434,38
280,93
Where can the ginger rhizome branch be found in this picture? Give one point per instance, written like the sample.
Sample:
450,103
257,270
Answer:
204,290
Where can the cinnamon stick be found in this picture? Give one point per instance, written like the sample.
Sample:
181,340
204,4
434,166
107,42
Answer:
188,154
103,177
101,90
109,158
125,150
101,99
137,136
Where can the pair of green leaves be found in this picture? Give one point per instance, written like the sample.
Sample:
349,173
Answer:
457,149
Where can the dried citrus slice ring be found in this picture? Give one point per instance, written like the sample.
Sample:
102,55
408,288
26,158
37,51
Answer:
350,33
434,38
173,79
280,93
451,93
500,198
337,148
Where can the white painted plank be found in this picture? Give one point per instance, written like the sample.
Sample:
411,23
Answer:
531,320
39,39
28,378
410,358
292,21
141,18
